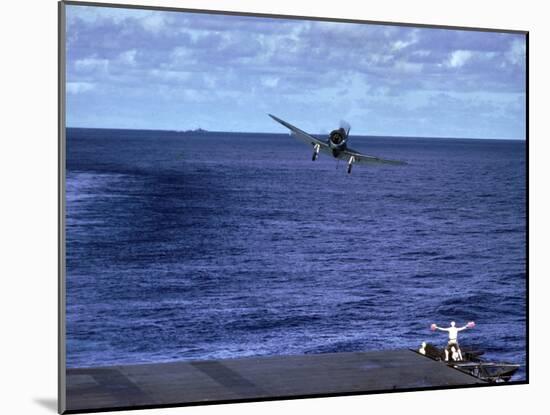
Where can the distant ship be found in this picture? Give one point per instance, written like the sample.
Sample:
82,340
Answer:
195,131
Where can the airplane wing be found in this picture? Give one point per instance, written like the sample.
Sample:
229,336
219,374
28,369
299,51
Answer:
302,135
365,159
343,155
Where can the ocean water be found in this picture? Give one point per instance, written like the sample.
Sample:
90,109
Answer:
221,245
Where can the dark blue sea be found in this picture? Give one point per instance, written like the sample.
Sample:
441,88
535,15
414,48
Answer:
191,246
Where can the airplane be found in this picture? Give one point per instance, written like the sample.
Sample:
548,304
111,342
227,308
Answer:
336,145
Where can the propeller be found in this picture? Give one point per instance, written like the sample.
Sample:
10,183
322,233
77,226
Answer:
346,126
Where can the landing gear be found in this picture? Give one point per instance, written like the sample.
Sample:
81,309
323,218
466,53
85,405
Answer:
350,164
316,149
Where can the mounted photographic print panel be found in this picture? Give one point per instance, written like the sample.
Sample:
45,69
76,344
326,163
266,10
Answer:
261,207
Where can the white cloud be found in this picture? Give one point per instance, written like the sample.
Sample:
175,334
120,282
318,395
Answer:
128,57
92,64
411,39
377,58
210,80
79,87
408,67
401,44
169,75
421,53
92,14
516,53
459,58
154,22
182,56
270,81
343,70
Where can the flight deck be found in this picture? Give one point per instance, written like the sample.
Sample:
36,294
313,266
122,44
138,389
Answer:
255,378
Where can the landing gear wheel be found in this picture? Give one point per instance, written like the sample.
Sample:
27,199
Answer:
316,149
350,163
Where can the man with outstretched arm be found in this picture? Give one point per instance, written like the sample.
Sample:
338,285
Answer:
453,336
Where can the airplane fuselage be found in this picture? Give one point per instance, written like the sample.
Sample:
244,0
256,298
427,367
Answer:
335,144
337,141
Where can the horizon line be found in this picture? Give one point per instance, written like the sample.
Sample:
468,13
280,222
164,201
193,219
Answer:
283,133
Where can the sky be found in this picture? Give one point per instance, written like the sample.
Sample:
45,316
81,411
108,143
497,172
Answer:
148,69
